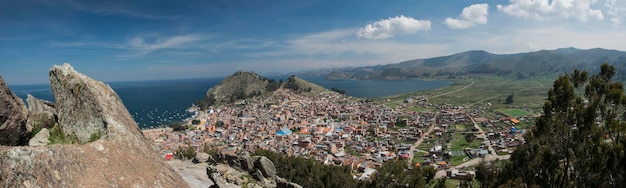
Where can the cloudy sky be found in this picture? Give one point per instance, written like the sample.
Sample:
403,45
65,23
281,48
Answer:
153,39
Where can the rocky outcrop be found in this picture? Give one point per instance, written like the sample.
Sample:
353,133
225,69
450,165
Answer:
266,166
235,167
41,113
122,157
13,117
81,102
41,138
202,157
283,183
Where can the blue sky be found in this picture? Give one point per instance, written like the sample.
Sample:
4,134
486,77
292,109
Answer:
153,39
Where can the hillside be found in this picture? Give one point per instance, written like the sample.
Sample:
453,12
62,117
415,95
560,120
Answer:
522,65
244,85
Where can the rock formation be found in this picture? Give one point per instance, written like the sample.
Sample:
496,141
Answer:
41,113
13,117
121,157
266,166
79,102
41,138
239,169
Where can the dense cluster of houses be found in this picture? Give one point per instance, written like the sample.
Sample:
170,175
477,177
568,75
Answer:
329,127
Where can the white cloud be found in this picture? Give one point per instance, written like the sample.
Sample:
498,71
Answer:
472,15
388,28
615,9
340,47
552,9
145,45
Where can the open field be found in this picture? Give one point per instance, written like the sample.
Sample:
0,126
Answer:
487,90
513,112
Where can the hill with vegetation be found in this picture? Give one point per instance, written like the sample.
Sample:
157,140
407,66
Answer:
521,65
246,85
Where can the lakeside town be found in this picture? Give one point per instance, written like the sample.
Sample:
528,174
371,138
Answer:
336,129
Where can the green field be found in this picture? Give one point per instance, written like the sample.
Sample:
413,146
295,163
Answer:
419,109
483,90
514,112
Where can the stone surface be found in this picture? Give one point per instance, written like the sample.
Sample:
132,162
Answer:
40,139
194,174
41,113
122,157
81,102
235,167
283,183
202,157
266,166
13,117
245,161
215,173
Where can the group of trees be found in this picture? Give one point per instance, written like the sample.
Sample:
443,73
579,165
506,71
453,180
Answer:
311,173
395,173
340,91
577,142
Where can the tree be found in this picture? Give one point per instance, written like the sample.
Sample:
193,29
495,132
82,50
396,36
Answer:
509,99
340,91
577,141
395,173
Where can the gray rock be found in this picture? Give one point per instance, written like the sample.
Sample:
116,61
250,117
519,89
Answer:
283,183
266,166
258,175
233,161
81,101
245,161
218,180
123,157
269,183
202,157
13,117
41,113
40,139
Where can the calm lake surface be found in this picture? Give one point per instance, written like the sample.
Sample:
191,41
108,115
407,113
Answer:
161,102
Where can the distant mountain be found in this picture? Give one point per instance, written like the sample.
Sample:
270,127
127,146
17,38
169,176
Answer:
544,62
245,85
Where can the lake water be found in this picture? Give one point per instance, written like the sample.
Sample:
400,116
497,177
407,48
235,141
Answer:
161,102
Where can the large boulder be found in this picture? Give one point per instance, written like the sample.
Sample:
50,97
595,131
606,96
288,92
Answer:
202,157
122,157
80,102
41,113
41,138
266,166
13,117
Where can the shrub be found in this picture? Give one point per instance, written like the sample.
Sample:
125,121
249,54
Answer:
187,152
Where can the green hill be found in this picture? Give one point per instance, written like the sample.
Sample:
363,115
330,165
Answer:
522,65
245,85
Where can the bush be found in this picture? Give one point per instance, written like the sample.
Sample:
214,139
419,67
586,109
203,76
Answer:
57,136
195,122
178,126
187,152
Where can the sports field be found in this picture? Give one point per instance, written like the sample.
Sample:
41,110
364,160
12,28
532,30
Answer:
514,112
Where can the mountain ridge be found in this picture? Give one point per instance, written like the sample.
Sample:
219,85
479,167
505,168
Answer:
543,62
